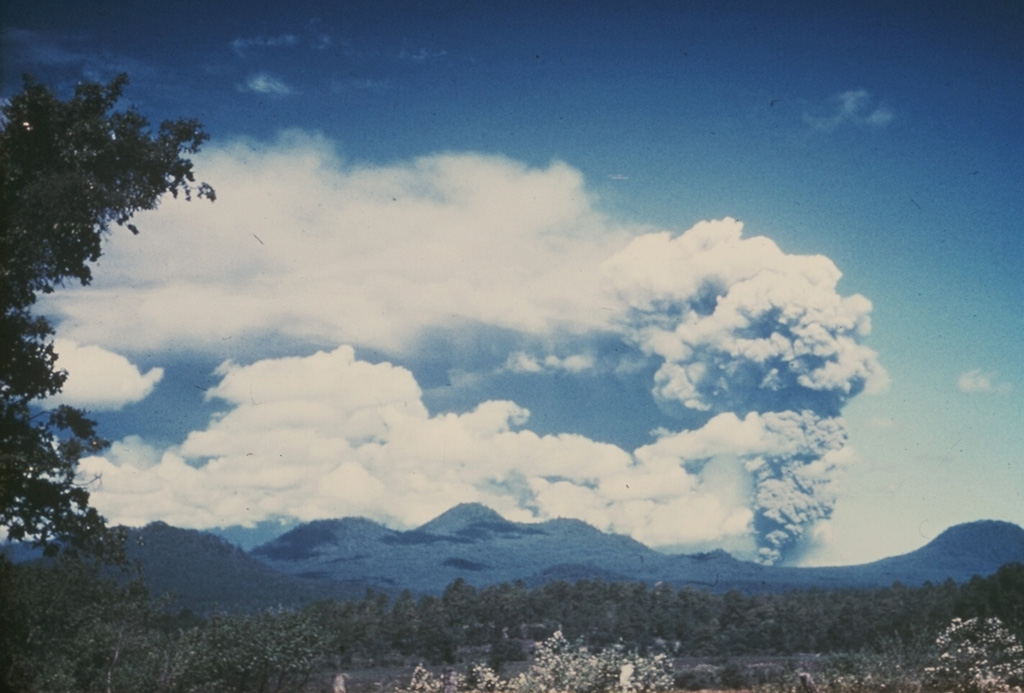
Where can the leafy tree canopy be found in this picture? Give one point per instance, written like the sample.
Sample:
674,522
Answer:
69,169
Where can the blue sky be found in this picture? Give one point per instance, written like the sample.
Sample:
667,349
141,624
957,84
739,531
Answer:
708,274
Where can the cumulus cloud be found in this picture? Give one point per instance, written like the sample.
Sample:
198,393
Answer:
262,83
752,347
303,245
99,379
855,107
134,452
980,381
330,435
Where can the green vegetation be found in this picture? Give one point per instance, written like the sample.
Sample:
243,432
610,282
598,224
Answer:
71,625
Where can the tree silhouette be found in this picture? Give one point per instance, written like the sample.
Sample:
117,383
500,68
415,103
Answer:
68,171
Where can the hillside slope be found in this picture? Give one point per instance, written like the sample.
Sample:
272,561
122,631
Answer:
206,574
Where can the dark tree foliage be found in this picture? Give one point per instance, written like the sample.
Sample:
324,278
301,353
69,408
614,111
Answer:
77,625
67,624
68,171
685,622
1000,595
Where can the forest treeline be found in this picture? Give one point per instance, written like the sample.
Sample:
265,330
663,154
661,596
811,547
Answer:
688,621
67,625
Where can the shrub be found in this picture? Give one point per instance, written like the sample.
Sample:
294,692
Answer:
563,667
977,656
273,650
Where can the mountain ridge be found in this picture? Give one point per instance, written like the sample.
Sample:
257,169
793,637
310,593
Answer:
343,558
476,543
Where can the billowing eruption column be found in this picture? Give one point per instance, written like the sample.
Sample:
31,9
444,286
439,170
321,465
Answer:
751,337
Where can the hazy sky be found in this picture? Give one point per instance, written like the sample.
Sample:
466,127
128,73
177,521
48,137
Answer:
709,274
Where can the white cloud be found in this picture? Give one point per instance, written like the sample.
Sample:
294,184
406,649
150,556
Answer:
133,451
99,379
303,245
302,248
855,107
330,435
262,83
521,362
980,381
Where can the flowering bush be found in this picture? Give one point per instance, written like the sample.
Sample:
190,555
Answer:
562,667
977,656
424,682
483,679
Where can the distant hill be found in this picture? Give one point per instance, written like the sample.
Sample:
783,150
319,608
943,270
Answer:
206,574
469,541
959,553
474,542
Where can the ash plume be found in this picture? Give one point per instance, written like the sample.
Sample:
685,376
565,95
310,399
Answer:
740,327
